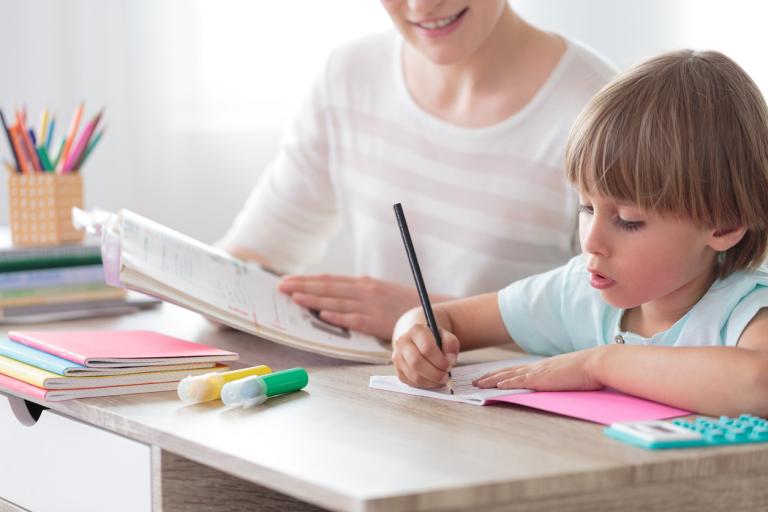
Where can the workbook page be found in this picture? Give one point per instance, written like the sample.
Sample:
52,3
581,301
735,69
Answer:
214,277
462,377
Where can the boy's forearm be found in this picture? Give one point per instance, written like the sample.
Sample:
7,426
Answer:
707,380
476,321
416,316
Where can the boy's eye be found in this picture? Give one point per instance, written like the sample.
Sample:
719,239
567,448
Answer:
585,208
629,225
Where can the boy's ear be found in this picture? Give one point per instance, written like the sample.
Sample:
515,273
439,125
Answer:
723,239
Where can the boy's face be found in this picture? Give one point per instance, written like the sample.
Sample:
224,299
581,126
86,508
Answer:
636,257
445,31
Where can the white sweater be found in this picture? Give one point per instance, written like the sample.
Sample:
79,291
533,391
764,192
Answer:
485,206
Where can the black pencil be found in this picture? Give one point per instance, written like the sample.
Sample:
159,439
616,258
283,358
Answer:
420,286
10,141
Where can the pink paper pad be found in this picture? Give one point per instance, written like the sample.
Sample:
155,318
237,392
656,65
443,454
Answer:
604,406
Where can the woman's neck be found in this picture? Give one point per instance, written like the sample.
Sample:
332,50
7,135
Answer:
495,82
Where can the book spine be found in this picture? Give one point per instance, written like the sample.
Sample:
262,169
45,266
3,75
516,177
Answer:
23,372
24,389
56,251
95,293
26,358
52,277
14,265
29,341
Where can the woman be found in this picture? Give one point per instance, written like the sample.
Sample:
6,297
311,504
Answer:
461,115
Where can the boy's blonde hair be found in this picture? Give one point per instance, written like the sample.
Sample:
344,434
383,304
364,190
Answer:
683,134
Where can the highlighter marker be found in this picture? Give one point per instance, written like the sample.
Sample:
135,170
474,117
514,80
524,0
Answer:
202,388
256,389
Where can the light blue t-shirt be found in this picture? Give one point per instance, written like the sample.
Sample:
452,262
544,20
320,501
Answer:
558,312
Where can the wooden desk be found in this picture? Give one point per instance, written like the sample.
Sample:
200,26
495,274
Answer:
341,446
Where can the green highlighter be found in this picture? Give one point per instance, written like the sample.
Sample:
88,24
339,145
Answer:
256,389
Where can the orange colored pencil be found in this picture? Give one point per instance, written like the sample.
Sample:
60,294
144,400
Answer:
28,145
16,141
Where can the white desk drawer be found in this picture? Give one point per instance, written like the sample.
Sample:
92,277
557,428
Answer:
60,464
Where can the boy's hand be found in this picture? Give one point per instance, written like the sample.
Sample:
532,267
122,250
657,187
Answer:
364,304
418,361
566,372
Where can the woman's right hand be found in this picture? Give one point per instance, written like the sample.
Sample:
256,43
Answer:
418,362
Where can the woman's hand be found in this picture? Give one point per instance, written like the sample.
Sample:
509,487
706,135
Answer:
418,362
362,304
566,372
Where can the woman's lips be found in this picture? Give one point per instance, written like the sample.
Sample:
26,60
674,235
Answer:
441,26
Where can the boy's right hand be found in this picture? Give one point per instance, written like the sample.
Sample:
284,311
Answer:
418,362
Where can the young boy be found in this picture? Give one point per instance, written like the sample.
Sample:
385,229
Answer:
670,161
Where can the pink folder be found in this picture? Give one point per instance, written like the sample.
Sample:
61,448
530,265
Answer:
605,406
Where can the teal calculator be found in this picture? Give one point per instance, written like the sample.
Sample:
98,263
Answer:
701,431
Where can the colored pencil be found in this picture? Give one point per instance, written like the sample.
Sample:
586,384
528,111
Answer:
26,141
70,140
10,141
43,126
90,147
24,162
82,144
50,135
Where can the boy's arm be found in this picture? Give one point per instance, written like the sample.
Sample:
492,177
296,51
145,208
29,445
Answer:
475,321
710,380
417,360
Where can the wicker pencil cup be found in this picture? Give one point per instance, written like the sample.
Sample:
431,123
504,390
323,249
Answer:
41,208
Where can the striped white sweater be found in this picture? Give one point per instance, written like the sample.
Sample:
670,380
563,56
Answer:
485,206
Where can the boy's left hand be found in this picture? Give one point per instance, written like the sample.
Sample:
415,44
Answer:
566,372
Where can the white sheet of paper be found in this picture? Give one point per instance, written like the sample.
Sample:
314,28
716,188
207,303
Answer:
463,389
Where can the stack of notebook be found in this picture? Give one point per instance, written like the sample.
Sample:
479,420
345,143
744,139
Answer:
57,365
57,283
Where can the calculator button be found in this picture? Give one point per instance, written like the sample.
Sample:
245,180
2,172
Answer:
714,435
736,434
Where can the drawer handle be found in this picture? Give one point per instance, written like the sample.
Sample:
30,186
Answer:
25,411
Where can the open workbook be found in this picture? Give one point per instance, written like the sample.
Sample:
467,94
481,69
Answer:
142,255
602,406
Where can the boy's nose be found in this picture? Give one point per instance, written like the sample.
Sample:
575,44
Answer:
593,237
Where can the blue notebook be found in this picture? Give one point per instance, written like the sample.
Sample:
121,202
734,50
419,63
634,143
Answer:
59,366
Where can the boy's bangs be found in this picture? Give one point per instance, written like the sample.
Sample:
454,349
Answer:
604,159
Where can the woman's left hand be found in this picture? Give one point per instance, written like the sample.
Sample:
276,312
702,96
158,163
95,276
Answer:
566,372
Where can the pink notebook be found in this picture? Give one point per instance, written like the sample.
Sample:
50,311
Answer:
111,349
605,406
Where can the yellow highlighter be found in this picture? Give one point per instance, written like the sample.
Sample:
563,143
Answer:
202,388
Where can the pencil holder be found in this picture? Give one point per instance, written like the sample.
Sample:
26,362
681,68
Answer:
41,208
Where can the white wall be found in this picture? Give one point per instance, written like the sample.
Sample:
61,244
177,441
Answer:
197,91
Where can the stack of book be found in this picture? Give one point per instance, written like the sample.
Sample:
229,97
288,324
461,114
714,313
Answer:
59,365
58,283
